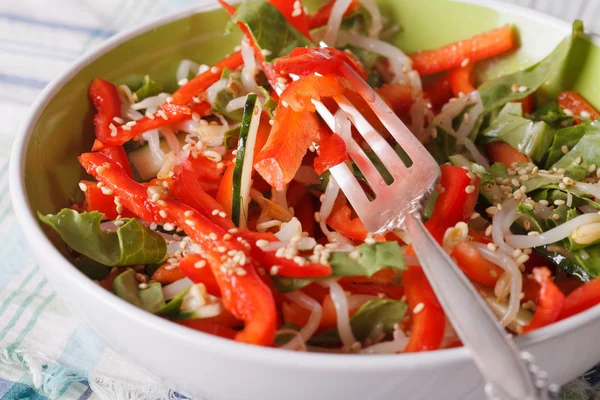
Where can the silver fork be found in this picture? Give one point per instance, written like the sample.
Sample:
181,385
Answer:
508,374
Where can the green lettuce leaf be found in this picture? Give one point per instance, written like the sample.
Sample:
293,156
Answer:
126,287
231,91
529,137
587,148
131,244
149,88
442,146
497,92
271,32
565,137
172,310
92,268
372,258
553,115
381,314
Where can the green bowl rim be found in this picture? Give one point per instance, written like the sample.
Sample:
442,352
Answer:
36,237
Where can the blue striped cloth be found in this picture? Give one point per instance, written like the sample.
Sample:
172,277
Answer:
44,351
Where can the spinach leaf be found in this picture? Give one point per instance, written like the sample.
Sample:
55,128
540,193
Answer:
126,287
530,138
586,148
553,115
149,88
564,137
459,160
91,268
270,30
172,309
231,91
442,146
131,244
382,314
371,258
497,92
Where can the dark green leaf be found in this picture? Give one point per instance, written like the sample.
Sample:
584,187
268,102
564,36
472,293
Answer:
172,309
126,287
497,92
553,115
269,28
565,137
91,268
131,244
382,314
442,146
530,138
372,258
149,88
231,91
285,285
430,204
587,148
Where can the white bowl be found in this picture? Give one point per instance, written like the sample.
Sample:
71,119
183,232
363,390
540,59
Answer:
205,366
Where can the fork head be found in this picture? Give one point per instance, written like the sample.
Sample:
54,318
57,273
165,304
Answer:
413,178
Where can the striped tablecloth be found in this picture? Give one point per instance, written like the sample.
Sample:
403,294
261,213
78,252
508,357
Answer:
44,351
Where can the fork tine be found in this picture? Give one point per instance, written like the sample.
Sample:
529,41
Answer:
409,143
365,165
378,144
350,186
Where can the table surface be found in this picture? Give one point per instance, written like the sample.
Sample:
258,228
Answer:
39,40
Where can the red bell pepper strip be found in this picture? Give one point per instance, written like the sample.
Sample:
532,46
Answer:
550,303
291,135
398,96
118,155
454,204
166,275
167,115
244,293
504,153
573,101
225,191
305,212
185,94
341,221
105,98
478,47
210,327
527,104
438,92
299,94
428,318
582,298
96,200
296,19
186,188
194,266
305,61
461,80
474,266
321,16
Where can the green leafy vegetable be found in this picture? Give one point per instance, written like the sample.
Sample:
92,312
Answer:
565,137
371,258
285,285
230,92
270,30
172,310
553,115
586,149
530,138
497,92
486,176
91,268
149,88
131,244
382,314
442,146
231,137
127,287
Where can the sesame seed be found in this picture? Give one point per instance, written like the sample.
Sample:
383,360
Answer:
196,117
562,186
517,253
491,210
113,130
559,202
464,63
488,230
274,270
585,114
592,168
162,114
527,225
297,12
499,207
125,127
318,216
162,213
515,183
564,148
99,169
523,89
491,246
212,236
188,213
200,264
221,249
168,227
522,259
215,70
262,243
182,82
543,202
568,181
106,191
514,88
578,161
568,112
470,189
143,286
118,120
190,222
524,178
533,233
555,217
82,186
418,308
222,214
215,212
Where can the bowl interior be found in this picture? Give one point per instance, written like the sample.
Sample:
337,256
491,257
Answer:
64,128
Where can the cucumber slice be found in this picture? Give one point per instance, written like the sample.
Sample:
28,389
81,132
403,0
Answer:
142,160
242,170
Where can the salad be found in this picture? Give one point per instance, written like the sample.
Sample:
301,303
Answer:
212,206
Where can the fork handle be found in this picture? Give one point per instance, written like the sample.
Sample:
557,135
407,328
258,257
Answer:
496,356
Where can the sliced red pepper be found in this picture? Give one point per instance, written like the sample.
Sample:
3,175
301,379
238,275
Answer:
321,16
194,266
105,98
244,293
577,104
166,275
455,203
478,47
527,104
550,303
341,221
474,266
306,61
118,155
461,80
582,298
186,188
504,153
299,94
428,318
185,94
225,192
438,92
390,291
305,212
213,328
174,114
398,96
96,200
296,19
291,135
